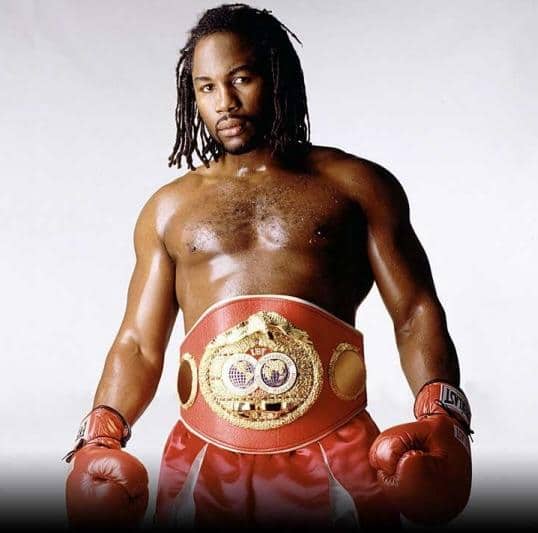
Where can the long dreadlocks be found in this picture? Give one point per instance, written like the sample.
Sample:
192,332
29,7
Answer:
290,120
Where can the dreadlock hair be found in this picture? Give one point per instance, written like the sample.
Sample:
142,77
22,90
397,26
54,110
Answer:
281,69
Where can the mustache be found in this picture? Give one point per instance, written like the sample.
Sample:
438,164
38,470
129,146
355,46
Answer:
231,116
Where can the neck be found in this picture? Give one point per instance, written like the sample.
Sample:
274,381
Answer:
259,159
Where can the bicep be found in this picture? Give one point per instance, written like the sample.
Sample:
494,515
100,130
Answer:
151,301
399,263
401,270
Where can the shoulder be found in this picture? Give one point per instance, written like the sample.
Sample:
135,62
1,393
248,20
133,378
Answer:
178,189
352,172
365,182
169,200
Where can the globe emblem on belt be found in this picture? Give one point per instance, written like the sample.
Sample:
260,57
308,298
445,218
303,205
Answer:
241,374
274,372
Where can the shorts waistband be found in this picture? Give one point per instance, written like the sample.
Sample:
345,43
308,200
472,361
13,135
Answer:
269,373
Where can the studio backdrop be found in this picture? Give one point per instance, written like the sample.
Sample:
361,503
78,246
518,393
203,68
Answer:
442,94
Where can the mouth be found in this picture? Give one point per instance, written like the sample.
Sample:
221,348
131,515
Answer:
231,132
231,128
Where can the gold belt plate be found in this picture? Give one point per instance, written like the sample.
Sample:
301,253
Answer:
262,373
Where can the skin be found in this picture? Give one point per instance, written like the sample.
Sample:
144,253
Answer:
324,231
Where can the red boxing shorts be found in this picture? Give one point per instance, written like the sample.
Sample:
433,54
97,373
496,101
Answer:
273,430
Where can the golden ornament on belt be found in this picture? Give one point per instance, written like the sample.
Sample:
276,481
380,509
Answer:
262,373
187,383
347,373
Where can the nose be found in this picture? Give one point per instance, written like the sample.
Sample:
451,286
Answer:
227,100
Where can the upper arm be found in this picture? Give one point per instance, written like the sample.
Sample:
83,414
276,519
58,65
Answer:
151,301
399,263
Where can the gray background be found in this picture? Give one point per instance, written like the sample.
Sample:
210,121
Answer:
443,94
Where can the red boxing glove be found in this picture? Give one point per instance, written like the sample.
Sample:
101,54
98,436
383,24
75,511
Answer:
106,486
424,467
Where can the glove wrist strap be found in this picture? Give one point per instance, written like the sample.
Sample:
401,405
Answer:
103,426
438,397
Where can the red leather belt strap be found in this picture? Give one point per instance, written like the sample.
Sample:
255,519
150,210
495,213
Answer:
328,376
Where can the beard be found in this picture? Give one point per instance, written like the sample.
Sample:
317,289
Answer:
242,148
256,140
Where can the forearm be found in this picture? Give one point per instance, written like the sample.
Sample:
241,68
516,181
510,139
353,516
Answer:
426,350
129,380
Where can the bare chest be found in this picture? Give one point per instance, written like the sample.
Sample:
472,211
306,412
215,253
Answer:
234,216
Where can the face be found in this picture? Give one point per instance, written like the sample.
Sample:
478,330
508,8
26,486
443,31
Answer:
230,91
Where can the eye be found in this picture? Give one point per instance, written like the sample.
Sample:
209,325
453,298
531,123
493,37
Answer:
241,80
206,88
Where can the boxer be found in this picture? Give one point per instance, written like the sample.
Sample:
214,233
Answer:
268,248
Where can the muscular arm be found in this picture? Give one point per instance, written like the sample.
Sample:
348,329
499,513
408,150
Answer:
403,276
134,363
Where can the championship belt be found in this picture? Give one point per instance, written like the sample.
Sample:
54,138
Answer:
266,374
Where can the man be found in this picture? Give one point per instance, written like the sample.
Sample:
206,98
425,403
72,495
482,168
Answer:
268,248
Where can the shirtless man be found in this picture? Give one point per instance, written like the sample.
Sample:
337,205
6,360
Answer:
268,248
